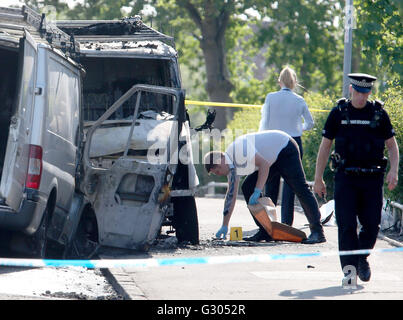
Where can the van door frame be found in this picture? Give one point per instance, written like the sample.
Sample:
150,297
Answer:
16,160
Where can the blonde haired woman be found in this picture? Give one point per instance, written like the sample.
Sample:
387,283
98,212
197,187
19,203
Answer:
286,111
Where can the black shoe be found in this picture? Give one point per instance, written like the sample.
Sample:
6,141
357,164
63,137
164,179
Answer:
259,236
315,237
364,271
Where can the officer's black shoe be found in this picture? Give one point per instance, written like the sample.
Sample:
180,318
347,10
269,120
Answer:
259,236
316,236
364,271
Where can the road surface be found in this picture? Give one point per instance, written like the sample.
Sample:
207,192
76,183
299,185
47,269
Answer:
312,277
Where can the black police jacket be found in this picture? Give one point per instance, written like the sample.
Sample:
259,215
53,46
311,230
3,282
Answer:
359,134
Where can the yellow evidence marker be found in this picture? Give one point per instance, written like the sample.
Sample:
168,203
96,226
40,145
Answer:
235,234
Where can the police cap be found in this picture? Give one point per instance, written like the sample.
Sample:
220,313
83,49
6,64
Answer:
361,82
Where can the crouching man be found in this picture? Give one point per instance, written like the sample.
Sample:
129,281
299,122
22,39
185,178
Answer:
262,156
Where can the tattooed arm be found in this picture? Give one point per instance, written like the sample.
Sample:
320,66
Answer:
230,197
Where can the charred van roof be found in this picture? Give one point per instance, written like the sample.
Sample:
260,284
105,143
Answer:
126,37
126,29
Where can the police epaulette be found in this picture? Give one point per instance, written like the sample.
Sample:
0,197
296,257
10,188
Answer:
378,107
341,103
379,103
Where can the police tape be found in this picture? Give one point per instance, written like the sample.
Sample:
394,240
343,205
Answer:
233,105
161,262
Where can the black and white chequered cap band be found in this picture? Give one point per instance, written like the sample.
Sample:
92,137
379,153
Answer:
362,83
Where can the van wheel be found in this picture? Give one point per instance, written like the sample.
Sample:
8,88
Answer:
43,246
40,240
5,240
185,219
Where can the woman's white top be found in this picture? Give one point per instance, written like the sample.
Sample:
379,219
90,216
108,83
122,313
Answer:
287,111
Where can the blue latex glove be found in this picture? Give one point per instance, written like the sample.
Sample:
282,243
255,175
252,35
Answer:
222,232
256,195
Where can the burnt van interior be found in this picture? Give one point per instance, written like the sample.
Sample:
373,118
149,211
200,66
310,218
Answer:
107,79
8,91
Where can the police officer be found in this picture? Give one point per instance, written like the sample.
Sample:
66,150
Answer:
360,128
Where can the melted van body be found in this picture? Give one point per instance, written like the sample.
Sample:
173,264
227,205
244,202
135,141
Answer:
136,128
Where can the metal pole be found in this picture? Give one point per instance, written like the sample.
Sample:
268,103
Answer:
348,45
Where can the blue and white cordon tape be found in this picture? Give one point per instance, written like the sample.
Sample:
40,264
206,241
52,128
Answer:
142,263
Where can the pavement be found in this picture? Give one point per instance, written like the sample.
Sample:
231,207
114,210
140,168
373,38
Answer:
310,277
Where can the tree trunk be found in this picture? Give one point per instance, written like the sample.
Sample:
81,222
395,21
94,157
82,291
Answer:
218,84
212,42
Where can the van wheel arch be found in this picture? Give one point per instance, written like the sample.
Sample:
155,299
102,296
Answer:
45,246
51,205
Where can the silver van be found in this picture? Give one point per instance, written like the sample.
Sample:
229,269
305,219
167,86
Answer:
40,92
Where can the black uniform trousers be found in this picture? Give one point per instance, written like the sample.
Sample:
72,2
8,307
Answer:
362,197
288,195
289,166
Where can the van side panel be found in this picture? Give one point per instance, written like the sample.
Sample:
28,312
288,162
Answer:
61,127
16,159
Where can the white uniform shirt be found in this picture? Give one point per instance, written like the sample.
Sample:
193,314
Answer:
284,110
267,143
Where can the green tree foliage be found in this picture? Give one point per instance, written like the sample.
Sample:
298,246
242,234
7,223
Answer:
47,6
245,121
379,37
311,139
308,36
88,9
214,41
393,105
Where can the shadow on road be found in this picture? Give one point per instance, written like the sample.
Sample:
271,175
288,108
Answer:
329,292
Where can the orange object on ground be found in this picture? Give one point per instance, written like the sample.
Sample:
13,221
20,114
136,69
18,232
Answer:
285,232
278,231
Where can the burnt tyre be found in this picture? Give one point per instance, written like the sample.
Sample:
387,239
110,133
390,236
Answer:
40,239
185,220
41,246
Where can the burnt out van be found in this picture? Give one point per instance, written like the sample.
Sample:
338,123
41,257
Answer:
137,172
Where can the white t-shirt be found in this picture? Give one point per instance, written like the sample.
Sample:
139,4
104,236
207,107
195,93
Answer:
267,143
